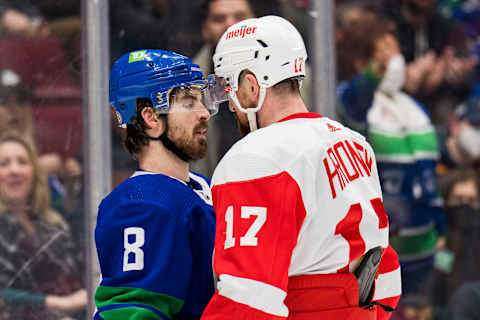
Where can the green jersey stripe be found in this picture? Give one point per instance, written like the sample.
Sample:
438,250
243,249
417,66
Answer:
129,313
415,244
410,144
108,296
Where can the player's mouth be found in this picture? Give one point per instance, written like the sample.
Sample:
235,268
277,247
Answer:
202,131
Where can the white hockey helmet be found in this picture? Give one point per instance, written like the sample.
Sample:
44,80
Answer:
270,47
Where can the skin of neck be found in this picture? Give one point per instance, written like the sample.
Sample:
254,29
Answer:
154,157
21,209
278,106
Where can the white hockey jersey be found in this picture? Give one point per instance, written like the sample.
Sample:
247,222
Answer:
299,197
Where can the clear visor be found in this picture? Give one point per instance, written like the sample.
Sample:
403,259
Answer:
218,90
193,97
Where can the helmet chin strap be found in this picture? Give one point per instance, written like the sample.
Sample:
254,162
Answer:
251,112
252,119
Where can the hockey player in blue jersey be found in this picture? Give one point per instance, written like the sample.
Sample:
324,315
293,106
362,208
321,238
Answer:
155,231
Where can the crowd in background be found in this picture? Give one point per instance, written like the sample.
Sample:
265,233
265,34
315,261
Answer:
408,78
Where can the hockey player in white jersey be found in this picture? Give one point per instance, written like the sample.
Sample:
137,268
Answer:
301,229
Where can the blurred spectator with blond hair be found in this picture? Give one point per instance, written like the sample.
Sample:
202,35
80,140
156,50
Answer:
16,116
38,274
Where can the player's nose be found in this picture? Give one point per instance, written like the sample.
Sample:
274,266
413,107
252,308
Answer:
203,112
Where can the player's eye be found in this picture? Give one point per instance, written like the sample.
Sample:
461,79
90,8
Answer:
188,105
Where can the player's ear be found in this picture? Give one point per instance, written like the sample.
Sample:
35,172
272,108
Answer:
253,86
151,118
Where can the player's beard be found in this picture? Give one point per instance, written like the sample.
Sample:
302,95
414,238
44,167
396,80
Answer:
242,121
191,146
243,125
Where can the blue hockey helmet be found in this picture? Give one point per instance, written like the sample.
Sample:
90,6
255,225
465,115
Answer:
153,74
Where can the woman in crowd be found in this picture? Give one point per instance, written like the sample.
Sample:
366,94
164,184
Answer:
39,278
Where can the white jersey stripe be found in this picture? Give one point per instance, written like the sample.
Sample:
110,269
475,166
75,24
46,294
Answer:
255,294
388,285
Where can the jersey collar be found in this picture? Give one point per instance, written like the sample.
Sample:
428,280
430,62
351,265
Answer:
192,183
304,115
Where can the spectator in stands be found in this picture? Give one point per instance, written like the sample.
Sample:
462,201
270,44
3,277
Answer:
217,16
16,115
404,141
38,275
461,142
15,104
438,66
21,18
460,189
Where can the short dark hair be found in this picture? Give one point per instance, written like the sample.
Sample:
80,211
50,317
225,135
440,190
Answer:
136,138
290,86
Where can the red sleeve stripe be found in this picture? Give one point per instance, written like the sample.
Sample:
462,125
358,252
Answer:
255,294
388,285
389,261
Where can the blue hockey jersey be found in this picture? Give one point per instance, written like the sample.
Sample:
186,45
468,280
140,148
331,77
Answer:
154,238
